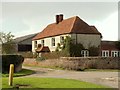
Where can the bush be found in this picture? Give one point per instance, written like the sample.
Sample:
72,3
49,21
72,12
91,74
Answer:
75,50
93,51
54,55
17,60
9,48
69,48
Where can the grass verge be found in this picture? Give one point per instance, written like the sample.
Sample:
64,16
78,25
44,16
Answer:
23,72
49,83
86,70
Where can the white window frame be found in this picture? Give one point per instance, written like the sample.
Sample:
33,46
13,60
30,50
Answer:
118,53
53,42
115,53
85,53
35,44
105,53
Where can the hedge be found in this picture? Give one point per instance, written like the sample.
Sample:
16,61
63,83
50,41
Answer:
17,60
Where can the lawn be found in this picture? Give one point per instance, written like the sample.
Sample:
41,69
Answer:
23,72
49,83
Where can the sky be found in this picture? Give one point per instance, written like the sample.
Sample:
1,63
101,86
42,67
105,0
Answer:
23,18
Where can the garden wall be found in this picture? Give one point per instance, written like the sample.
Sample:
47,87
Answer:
78,63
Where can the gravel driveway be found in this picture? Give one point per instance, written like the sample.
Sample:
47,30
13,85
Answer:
102,78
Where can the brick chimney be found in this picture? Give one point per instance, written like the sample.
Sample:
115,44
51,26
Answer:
60,17
57,19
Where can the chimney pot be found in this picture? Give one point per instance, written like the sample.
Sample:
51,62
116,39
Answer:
60,17
57,19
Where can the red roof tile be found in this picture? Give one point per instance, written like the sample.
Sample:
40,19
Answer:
108,45
67,26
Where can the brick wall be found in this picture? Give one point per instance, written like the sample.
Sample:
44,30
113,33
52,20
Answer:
76,63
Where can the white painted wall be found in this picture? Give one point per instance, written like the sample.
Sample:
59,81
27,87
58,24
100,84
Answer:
33,46
48,42
85,39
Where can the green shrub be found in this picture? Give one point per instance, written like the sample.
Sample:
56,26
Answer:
54,55
69,48
93,51
11,59
75,50
9,48
81,69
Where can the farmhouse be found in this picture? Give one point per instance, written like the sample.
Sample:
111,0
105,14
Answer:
74,27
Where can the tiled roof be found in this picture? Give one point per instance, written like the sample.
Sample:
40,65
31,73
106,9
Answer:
67,26
19,40
108,45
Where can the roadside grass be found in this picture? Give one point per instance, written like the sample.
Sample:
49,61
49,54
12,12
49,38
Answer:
48,83
51,67
23,72
86,70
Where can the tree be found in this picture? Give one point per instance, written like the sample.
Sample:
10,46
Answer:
7,43
69,48
6,38
93,51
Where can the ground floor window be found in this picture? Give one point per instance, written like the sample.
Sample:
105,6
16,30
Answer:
105,53
53,41
42,42
85,53
35,44
115,53
61,40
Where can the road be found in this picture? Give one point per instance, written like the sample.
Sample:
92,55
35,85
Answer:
102,78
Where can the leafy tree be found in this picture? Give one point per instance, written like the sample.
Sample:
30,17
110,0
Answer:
70,48
58,47
67,45
6,41
76,49
93,51
6,38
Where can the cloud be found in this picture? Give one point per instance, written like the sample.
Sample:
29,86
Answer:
25,18
109,27
16,26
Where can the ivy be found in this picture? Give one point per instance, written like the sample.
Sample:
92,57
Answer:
69,48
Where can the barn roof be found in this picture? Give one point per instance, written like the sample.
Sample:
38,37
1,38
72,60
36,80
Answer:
27,39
